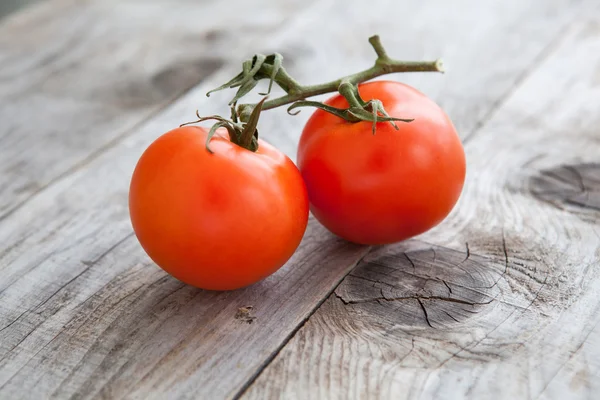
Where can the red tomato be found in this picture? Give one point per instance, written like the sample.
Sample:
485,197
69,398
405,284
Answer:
387,187
217,221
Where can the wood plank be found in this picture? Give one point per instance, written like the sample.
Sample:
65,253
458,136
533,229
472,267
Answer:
126,327
502,301
76,77
84,313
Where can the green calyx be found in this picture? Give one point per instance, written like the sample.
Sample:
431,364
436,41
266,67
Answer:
243,134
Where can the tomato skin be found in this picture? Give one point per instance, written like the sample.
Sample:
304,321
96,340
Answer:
217,221
387,187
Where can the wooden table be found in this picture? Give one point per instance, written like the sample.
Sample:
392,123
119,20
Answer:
502,300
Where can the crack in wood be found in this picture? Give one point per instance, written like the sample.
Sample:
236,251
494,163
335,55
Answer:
449,288
505,252
417,297
409,260
468,252
424,312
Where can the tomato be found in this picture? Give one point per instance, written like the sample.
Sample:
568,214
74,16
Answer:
220,220
387,187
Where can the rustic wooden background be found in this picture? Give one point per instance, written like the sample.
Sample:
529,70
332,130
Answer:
502,300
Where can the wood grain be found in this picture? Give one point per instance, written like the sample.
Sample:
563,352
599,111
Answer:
528,222
83,312
82,75
119,325
424,286
573,187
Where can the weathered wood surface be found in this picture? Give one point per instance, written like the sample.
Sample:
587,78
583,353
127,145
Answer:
84,313
76,77
506,304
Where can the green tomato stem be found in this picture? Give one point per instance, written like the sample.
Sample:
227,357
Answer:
295,91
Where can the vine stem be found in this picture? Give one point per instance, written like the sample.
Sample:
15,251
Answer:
295,91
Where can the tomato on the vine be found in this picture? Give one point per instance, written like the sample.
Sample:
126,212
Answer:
388,186
220,220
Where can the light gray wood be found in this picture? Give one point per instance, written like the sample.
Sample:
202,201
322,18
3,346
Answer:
78,76
83,312
502,301
120,325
